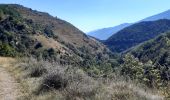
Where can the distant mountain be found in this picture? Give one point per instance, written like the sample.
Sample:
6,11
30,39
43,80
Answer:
163,15
136,33
105,33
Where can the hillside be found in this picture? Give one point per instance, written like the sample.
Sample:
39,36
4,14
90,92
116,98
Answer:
155,56
26,32
149,62
136,34
156,50
105,33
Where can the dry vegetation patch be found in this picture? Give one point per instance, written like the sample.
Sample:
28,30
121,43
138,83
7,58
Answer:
53,81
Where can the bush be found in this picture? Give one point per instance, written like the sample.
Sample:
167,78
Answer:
7,50
37,71
53,81
132,67
38,45
48,31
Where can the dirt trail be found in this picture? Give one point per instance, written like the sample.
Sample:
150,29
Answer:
9,88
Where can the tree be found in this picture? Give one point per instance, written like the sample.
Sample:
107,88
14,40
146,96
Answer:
151,75
132,67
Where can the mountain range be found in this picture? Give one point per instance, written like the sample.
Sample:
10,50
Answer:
105,33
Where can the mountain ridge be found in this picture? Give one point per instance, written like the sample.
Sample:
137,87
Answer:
163,15
105,33
99,33
136,34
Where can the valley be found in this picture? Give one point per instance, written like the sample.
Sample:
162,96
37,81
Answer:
47,58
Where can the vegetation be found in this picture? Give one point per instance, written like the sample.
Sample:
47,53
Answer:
154,76
136,34
66,64
148,63
71,83
143,72
6,10
7,50
19,37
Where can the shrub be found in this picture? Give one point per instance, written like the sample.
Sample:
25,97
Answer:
132,67
20,27
48,31
37,71
53,81
7,50
38,45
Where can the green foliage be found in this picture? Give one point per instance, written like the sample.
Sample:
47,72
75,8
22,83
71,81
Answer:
146,73
14,35
7,10
132,67
152,76
157,51
49,53
155,58
103,70
7,50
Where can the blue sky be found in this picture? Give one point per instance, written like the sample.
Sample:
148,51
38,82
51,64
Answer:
89,15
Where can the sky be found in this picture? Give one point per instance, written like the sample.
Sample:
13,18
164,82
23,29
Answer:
88,15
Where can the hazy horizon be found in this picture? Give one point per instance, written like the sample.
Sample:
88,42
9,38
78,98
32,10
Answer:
90,15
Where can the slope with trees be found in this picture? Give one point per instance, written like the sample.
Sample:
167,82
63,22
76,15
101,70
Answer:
136,34
25,33
149,63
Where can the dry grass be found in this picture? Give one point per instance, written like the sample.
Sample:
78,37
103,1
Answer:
6,60
10,87
69,83
49,43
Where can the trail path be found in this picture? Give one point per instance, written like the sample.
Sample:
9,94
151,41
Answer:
9,88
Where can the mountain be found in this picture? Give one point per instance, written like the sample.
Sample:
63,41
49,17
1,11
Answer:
163,15
26,32
105,33
136,34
